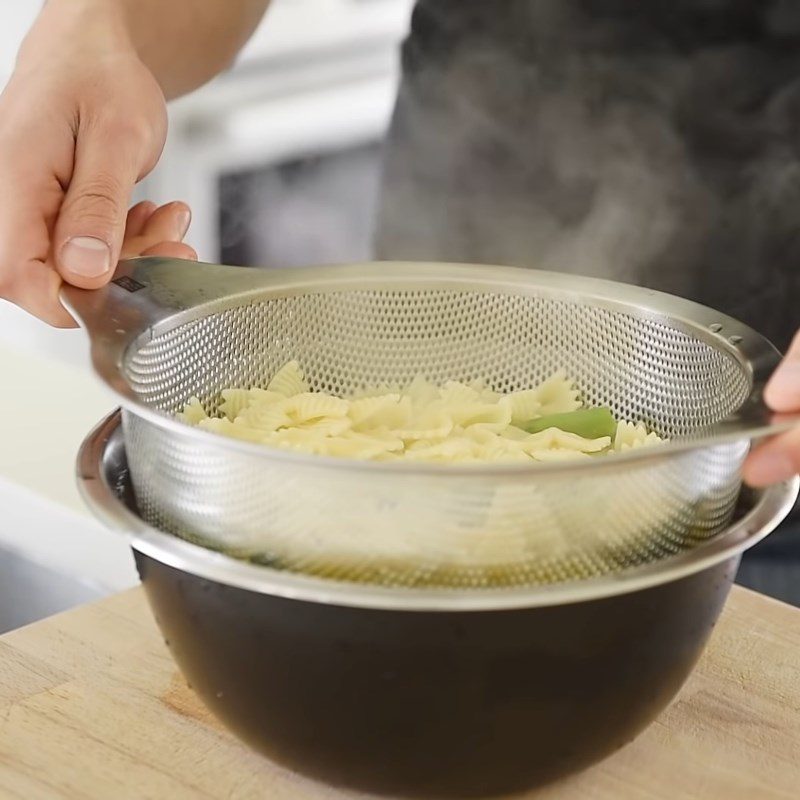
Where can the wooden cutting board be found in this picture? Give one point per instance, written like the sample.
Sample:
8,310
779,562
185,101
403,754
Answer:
92,707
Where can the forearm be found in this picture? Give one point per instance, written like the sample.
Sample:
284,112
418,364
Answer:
183,42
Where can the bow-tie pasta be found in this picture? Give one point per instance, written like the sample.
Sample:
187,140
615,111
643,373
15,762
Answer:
454,423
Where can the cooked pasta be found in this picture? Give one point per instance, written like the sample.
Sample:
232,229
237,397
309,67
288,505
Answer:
629,436
454,423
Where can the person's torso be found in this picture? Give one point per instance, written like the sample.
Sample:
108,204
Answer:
651,143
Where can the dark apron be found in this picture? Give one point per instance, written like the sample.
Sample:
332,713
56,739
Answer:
652,143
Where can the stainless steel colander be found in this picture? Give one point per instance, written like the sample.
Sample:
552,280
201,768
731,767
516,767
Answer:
165,330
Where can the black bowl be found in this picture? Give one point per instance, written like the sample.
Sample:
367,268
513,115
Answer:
428,693
434,704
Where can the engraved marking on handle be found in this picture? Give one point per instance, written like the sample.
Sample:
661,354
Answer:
129,284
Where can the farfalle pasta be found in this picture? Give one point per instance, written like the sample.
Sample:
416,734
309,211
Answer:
453,423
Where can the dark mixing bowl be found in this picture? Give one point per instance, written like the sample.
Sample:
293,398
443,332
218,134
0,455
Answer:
427,693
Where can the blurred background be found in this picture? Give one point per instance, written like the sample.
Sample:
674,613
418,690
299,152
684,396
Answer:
280,160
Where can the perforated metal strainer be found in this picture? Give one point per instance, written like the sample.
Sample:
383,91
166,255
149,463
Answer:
165,330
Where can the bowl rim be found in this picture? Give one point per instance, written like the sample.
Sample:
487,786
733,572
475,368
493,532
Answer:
102,479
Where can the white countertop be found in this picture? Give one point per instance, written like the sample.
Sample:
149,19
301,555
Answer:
46,407
49,401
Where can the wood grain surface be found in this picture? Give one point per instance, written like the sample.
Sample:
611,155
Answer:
93,708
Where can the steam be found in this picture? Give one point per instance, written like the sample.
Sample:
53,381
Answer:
649,143
317,210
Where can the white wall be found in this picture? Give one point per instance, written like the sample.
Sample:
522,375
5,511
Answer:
16,17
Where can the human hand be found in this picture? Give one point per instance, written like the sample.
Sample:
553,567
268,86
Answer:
82,121
779,458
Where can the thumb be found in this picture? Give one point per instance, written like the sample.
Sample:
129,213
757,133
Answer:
91,223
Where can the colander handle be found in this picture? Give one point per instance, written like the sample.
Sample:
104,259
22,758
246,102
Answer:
145,293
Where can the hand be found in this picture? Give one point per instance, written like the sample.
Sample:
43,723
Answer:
779,458
83,121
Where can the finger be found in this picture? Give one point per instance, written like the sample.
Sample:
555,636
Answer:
137,218
29,201
37,293
172,250
91,223
169,223
774,461
782,392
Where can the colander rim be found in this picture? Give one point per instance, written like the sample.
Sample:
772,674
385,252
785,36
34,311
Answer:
756,354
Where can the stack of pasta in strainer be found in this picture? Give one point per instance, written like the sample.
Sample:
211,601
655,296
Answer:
454,423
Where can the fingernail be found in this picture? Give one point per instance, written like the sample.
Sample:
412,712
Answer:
184,219
772,467
86,256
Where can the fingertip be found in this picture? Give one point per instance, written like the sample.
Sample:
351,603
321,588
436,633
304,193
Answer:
179,207
63,321
85,261
172,221
772,462
55,315
39,295
782,392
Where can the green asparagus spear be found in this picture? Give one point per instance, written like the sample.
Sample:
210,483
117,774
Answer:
591,423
